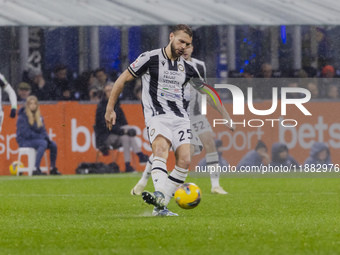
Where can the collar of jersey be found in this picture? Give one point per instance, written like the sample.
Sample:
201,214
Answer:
166,55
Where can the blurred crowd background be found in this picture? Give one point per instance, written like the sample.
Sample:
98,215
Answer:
75,63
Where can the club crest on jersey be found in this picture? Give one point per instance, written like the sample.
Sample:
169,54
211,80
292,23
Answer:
152,132
180,67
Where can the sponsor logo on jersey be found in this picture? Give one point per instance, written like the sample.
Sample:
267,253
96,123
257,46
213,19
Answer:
171,96
169,86
172,73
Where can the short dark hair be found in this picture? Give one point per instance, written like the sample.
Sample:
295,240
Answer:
59,67
182,27
283,147
260,145
100,69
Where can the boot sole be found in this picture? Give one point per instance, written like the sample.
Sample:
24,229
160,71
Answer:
150,199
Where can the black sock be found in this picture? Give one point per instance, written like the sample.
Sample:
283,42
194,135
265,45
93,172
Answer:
127,164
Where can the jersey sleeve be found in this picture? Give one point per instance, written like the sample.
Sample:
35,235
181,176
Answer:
140,65
204,72
202,69
196,80
3,81
193,76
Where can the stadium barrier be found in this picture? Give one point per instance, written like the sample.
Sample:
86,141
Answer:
70,125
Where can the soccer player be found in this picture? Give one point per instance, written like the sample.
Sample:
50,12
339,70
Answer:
200,125
164,76
12,98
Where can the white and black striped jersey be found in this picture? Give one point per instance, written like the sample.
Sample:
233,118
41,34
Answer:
3,84
192,96
163,82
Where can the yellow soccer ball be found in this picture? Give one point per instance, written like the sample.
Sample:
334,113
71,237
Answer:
13,168
188,196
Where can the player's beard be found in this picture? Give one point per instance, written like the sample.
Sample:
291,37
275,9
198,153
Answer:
173,51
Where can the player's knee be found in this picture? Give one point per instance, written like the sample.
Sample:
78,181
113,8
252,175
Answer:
159,150
210,145
183,160
208,141
160,147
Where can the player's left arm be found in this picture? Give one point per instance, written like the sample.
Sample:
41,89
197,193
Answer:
214,100
136,69
212,97
11,93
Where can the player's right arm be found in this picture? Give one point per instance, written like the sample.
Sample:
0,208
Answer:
136,69
110,115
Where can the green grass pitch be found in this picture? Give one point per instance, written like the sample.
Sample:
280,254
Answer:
97,215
